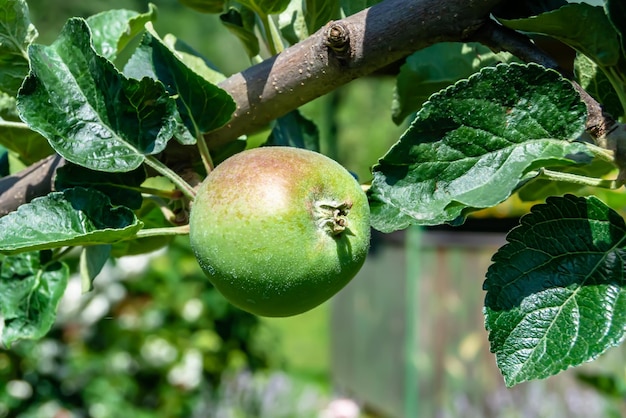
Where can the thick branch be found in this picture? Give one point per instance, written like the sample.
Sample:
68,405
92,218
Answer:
338,53
372,39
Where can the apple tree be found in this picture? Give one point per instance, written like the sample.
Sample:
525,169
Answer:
117,126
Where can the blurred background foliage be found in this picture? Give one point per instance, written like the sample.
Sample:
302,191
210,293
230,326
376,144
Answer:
154,340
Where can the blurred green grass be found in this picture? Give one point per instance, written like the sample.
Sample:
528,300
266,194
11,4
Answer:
304,344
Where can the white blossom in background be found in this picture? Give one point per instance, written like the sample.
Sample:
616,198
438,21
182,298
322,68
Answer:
341,408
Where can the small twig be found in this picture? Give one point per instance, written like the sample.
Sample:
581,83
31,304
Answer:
579,179
180,183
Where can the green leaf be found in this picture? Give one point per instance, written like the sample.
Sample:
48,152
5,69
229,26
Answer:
121,188
583,27
294,130
301,19
70,218
472,144
596,83
555,293
292,24
90,113
16,33
319,12
266,7
193,59
350,7
240,22
616,11
92,260
30,290
5,168
202,105
112,30
434,68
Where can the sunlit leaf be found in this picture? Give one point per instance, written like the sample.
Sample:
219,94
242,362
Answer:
91,114
472,144
202,105
70,218
555,293
112,30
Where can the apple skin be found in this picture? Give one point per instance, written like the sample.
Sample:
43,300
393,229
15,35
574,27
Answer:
279,230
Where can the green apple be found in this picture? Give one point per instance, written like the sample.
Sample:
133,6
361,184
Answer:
279,230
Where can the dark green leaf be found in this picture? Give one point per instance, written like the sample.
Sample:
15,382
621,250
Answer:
294,130
555,293
92,260
30,291
434,68
608,384
350,7
16,33
319,12
596,83
121,188
5,170
193,59
112,30
90,113
202,105
266,7
240,22
616,11
472,144
70,218
583,27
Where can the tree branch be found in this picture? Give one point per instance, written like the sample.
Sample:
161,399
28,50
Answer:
336,54
340,52
36,180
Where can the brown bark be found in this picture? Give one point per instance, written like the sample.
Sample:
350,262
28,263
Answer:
368,41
